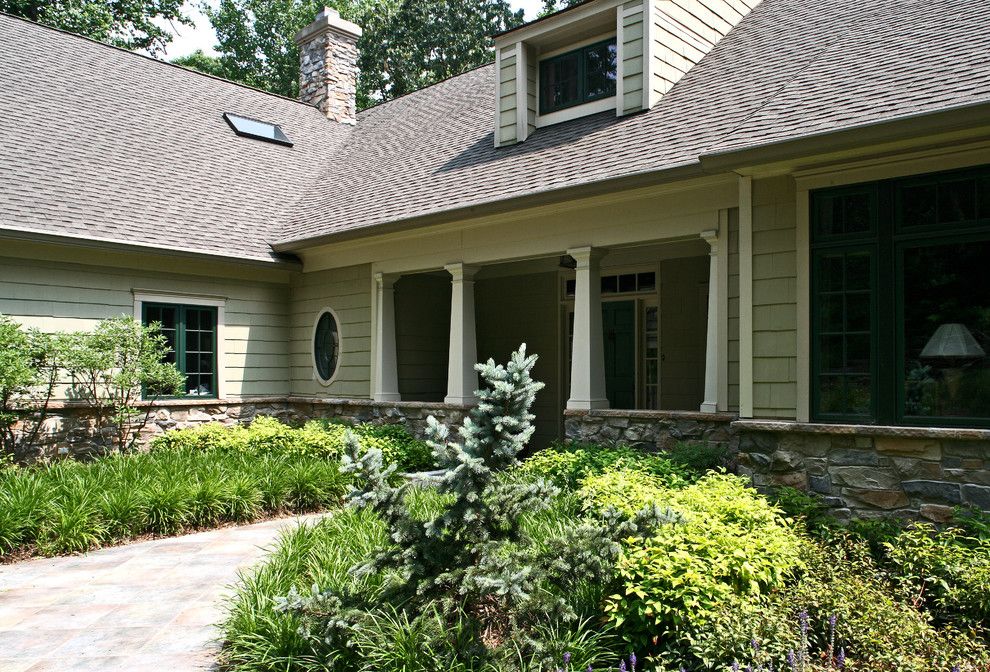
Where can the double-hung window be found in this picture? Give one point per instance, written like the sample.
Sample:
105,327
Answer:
191,332
900,281
580,76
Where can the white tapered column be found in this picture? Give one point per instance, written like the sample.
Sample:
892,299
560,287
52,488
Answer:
462,379
710,404
386,366
587,352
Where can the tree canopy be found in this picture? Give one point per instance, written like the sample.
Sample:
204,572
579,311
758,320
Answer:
130,24
406,45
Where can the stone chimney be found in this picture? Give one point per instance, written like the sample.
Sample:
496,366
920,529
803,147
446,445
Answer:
328,68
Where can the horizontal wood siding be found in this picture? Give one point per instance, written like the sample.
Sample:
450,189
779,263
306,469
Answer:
733,324
55,296
631,53
524,309
774,298
684,31
507,99
348,292
422,336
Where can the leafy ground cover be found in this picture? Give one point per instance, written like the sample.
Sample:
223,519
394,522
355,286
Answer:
721,578
190,479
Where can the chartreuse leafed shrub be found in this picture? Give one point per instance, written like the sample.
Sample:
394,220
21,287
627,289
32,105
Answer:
728,543
567,464
317,438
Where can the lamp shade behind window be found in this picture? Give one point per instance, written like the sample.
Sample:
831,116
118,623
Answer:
952,341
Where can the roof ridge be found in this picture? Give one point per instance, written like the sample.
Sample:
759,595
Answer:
427,87
148,57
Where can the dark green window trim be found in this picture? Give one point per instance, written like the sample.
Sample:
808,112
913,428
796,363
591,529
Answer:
192,333
883,221
582,93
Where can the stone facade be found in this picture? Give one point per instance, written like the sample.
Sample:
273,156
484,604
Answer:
69,428
871,471
651,430
328,70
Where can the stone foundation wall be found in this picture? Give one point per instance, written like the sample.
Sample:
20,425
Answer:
69,428
871,472
651,430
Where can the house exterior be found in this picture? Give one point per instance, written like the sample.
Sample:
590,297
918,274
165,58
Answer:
757,223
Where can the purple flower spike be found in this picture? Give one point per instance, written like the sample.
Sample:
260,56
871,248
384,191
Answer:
622,666
632,661
955,668
590,669
755,644
735,666
832,620
803,618
567,658
792,659
841,660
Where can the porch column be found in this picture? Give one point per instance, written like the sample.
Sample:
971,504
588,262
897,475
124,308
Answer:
714,338
462,379
587,352
386,367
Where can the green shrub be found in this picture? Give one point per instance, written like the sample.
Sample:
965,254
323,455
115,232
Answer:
729,542
322,439
699,457
945,571
567,464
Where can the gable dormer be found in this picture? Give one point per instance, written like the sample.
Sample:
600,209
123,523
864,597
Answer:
602,55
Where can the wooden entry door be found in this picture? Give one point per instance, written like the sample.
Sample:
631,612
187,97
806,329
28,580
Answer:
619,327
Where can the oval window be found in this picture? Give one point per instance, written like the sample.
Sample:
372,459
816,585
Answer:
326,346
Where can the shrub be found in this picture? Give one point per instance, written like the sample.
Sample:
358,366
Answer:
567,464
944,571
29,366
323,439
112,367
699,457
729,542
463,551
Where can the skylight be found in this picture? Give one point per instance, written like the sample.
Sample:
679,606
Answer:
252,128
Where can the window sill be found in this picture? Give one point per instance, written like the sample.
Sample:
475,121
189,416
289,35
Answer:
788,426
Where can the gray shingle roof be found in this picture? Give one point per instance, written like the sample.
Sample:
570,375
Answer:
101,143
790,69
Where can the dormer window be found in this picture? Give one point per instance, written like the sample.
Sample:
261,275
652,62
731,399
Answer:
580,76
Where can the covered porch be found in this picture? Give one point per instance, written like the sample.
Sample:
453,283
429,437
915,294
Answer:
640,328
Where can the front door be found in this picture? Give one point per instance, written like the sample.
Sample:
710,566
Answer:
619,326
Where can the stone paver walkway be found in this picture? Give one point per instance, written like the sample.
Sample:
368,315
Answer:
145,606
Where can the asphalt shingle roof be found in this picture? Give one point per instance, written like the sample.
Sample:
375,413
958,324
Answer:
106,144
790,69
101,143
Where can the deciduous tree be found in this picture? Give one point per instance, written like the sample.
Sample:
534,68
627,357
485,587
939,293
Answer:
130,24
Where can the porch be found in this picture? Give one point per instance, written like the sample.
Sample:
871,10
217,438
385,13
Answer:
638,330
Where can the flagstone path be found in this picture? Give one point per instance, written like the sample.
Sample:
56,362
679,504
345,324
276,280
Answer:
146,606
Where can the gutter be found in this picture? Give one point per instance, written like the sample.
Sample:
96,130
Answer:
549,197
7,232
903,128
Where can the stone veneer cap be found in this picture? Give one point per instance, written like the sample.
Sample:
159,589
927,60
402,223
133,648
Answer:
328,19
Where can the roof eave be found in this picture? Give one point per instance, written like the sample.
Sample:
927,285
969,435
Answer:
550,197
8,232
903,128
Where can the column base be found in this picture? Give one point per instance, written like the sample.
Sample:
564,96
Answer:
461,401
709,407
586,404
387,396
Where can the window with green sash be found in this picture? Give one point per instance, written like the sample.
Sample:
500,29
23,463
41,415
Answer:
900,309
580,76
191,332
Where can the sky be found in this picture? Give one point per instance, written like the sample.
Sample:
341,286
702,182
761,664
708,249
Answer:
190,38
